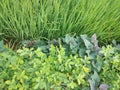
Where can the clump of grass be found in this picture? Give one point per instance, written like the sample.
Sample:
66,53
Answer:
30,19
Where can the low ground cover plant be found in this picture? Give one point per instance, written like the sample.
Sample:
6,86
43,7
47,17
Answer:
90,67
111,67
33,70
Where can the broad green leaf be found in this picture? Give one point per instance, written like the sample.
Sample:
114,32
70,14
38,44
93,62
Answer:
92,84
96,78
87,43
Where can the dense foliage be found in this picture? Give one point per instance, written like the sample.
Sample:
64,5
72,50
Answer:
111,67
40,61
32,68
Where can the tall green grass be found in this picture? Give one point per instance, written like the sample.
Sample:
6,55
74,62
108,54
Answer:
29,19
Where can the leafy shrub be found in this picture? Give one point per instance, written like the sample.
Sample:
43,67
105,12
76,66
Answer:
34,70
31,68
85,48
83,45
110,73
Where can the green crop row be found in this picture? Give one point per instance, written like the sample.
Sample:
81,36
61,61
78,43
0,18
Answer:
31,19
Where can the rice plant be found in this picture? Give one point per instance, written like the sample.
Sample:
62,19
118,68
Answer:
30,19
